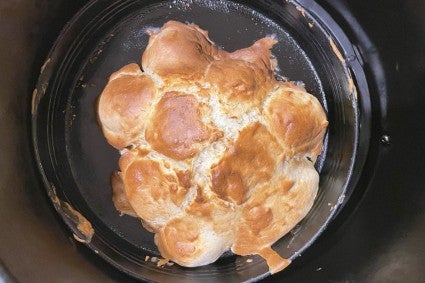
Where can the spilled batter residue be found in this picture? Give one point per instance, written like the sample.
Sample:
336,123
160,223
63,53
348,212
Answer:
44,65
301,9
352,87
82,224
34,95
336,50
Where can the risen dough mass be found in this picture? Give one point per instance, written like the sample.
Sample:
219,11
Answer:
216,154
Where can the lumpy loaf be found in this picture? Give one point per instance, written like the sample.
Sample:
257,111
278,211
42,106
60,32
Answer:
216,154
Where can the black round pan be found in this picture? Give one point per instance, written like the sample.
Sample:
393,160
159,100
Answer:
76,162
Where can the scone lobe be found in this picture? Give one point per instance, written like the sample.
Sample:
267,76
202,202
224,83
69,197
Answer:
176,128
124,105
246,164
259,54
242,79
297,119
154,190
179,51
190,241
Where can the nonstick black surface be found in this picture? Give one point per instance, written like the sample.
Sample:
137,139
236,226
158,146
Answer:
76,162
381,242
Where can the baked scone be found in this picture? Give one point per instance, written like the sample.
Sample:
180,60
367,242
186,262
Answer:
216,154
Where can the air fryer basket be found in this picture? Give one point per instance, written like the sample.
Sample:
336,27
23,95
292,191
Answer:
76,162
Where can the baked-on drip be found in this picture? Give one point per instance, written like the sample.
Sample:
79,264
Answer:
216,154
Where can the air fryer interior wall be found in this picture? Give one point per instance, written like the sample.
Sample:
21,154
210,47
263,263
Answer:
34,229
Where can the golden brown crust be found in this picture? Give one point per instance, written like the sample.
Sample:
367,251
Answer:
176,128
124,105
298,119
258,54
242,78
250,161
189,241
178,239
274,208
154,192
219,148
238,81
179,51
